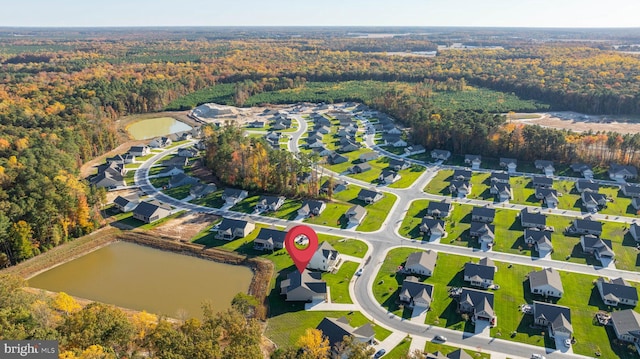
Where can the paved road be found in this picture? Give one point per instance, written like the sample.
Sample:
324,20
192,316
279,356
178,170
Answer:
387,238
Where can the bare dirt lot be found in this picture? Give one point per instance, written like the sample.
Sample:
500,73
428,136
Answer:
582,123
185,226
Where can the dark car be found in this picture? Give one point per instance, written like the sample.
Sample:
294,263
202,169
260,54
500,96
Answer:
380,353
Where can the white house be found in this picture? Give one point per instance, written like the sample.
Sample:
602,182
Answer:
326,258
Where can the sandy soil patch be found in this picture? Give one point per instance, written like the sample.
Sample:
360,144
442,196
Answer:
185,226
582,123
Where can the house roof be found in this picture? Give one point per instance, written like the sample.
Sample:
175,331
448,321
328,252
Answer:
543,163
459,354
271,235
311,281
363,166
200,189
426,259
623,170
466,174
312,204
580,167
559,316
148,209
483,212
441,152
178,161
500,176
170,169
357,212
587,224
138,148
592,197
180,178
631,188
232,224
501,188
413,288
597,244
481,300
547,276
483,228
457,185
336,329
618,288
388,173
483,272
504,161
547,193
327,251
542,181
532,217
336,183
368,193
486,261
270,200
536,235
472,157
123,201
439,206
588,185
432,223
626,322
233,193
394,162
368,156
635,229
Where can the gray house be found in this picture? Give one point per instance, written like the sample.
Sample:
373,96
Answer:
483,214
473,160
539,239
230,229
270,203
416,293
304,287
433,227
462,175
356,214
151,211
631,190
585,226
398,164
325,258
584,169
484,232
388,176
200,190
546,282
369,196
269,239
140,150
181,179
368,156
545,166
621,173
439,209
421,263
499,177
556,318
233,196
587,185
336,329
478,304
442,155
509,163
502,191
600,248
460,188
126,204
532,219
626,325
311,208
360,168
480,274
548,195
617,291
542,182
593,201
634,229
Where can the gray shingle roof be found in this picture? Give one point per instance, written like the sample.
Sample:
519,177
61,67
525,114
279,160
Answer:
484,272
547,276
626,322
618,288
426,259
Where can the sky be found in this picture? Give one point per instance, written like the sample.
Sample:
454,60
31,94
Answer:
491,13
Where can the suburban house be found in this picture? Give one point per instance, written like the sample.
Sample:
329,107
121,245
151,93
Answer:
509,163
499,177
460,188
634,229
360,168
323,129
338,186
414,150
160,142
441,155
548,195
139,151
532,219
356,214
583,169
188,152
269,239
170,171
256,124
151,211
600,248
617,291
181,179
200,190
457,354
478,304
421,263
542,182
546,282
539,239
232,196
416,293
484,232
230,229
322,151
621,173
545,166
336,329
314,136
394,140
325,258
334,159
314,143
395,131
556,318
626,325
311,207
480,274
369,196
631,190
483,214
177,161
439,209
593,201
368,156
349,147
388,176
585,226
126,204
109,176
270,203
635,202
473,160
462,175
587,185
304,287
398,165
432,227
502,191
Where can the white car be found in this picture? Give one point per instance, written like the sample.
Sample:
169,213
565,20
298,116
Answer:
538,356
359,272
567,343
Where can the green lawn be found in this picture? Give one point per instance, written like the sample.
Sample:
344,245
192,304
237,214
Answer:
338,283
178,192
376,212
440,183
432,347
159,182
332,216
289,210
456,225
408,176
131,166
401,350
145,157
213,199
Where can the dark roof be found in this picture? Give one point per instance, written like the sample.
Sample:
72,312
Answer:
313,204
147,209
498,175
310,280
532,217
394,162
414,287
431,222
483,212
472,157
459,354
270,200
507,160
546,192
536,235
229,223
479,227
580,167
477,298
336,329
547,276
439,206
631,188
543,163
368,193
232,192
619,288
363,167
616,168
542,181
596,243
466,174
272,235
550,311
588,184
123,201
482,271
587,224
457,184
626,322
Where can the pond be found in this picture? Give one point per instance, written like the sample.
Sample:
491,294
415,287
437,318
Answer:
154,127
143,278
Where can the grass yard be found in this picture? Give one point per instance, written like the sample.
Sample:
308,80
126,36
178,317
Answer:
376,212
440,183
456,225
432,347
178,192
159,182
289,210
332,216
338,283
408,176
213,199
401,350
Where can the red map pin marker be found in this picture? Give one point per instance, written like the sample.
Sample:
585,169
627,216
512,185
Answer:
302,236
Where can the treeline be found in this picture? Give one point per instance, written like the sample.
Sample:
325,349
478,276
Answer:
103,331
252,164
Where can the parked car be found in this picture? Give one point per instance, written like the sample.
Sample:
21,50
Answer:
359,272
567,343
537,356
440,338
380,353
